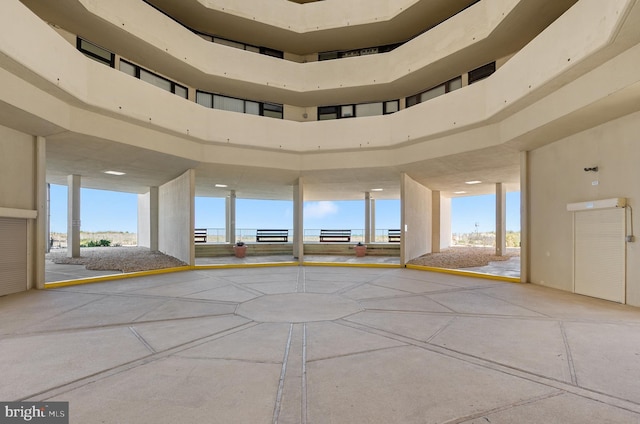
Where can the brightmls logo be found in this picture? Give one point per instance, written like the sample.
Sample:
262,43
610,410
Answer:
34,412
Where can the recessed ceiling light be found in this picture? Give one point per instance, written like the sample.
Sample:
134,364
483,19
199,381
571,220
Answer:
221,185
459,192
114,172
473,182
376,189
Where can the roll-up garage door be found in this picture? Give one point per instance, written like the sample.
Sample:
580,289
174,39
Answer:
600,254
13,255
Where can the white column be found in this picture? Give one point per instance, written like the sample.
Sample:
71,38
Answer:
42,220
435,221
524,218
501,219
367,217
298,220
373,220
154,207
231,217
73,216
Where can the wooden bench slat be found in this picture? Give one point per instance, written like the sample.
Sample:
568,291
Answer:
265,235
340,236
200,235
394,236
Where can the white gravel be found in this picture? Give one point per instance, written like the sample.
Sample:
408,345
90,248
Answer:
463,257
125,259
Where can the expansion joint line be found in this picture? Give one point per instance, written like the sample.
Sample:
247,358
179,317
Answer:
572,369
283,372
303,412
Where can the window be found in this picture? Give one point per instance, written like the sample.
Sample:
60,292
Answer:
369,109
356,52
204,99
154,79
347,111
482,72
248,47
252,108
327,112
358,110
228,103
391,106
95,52
436,91
272,110
233,104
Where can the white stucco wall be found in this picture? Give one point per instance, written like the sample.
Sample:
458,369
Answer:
144,233
557,177
176,217
445,222
415,219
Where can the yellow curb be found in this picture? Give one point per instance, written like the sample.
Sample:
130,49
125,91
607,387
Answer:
256,265
354,265
100,279
465,273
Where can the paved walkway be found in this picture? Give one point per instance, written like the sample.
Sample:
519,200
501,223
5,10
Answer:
321,345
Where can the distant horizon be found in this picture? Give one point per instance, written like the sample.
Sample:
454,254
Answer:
119,212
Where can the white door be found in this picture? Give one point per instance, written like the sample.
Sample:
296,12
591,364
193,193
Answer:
13,255
600,254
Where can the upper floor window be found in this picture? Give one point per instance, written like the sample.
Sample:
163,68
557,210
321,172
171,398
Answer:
161,82
358,110
357,52
436,91
95,52
217,101
262,50
482,72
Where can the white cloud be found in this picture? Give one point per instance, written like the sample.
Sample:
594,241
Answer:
320,209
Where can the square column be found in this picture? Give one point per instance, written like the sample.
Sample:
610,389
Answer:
42,236
154,207
372,223
298,220
367,217
501,219
73,216
524,218
435,221
230,217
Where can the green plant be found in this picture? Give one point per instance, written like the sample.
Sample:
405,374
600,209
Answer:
100,243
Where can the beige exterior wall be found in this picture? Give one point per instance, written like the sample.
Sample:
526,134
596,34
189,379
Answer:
176,217
415,219
23,194
557,177
459,121
17,170
174,43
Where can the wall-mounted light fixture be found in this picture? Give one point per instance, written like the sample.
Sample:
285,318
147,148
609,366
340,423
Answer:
592,169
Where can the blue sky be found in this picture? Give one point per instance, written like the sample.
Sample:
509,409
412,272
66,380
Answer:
111,211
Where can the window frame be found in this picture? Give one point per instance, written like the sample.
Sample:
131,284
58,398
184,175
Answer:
481,72
111,62
173,84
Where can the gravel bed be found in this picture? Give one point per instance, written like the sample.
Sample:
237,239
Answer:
463,257
124,259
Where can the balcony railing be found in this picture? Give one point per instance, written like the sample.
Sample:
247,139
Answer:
248,235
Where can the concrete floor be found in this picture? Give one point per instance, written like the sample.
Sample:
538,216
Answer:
321,345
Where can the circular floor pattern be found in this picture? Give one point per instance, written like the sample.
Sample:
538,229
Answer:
298,307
